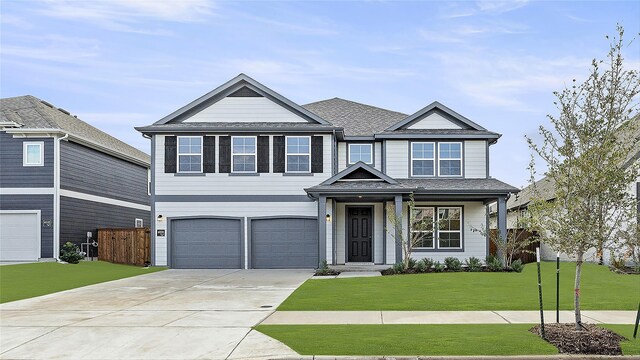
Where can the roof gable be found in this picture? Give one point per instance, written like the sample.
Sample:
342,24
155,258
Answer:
360,172
436,116
241,89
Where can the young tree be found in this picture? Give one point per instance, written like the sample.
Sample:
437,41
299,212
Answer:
518,240
584,151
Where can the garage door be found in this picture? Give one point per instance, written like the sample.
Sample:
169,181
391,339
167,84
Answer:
206,243
19,236
284,243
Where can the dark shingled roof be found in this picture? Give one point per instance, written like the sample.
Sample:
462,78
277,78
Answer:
423,186
32,113
356,119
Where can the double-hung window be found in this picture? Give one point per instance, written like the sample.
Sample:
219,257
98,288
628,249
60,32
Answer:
189,154
450,159
361,152
436,228
298,154
243,154
33,153
423,159
422,230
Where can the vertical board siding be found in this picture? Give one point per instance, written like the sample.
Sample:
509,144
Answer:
397,159
44,203
377,155
475,159
224,162
89,171
245,109
209,154
278,154
125,246
13,174
434,121
263,154
317,154
77,217
170,154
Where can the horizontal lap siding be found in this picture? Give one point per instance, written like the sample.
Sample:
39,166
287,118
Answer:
475,159
44,203
377,157
434,121
245,109
13,174
89,171
397,159
224,184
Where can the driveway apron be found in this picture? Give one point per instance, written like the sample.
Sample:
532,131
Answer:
172,314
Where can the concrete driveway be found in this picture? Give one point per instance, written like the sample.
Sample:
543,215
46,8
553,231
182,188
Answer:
172,314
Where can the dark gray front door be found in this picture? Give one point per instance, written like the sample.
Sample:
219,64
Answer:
206,243
359,237
282,243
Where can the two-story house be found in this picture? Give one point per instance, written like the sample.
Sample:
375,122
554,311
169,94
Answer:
61,178
243,177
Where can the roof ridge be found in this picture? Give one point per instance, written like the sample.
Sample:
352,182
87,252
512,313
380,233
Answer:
358,103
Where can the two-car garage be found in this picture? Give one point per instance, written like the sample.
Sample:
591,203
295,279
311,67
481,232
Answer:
219,242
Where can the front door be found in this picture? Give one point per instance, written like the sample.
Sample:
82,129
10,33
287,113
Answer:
359,237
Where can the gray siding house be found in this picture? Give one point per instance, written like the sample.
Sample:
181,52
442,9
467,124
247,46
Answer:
61,178
243,177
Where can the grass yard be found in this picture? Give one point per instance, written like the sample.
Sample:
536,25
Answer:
601,290
434,340
22,281
431,340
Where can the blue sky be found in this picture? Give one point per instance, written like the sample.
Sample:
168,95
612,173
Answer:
124,63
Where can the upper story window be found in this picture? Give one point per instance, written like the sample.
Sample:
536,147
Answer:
450,159
361,152
298,154
243,154
189,154
423,159
33,153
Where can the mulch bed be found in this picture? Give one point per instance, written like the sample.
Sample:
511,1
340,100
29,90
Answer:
591,340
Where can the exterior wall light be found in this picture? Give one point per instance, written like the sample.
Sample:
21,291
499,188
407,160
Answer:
328,217
160,218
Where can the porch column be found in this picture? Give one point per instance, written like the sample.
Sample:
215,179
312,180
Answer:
502,221
398,233
322,229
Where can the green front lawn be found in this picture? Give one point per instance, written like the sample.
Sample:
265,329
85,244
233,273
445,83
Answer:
23,281
601,290
433,340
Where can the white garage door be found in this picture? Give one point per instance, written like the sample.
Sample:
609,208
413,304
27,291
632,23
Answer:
19,235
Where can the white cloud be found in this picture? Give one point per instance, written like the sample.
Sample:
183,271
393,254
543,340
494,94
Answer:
500,6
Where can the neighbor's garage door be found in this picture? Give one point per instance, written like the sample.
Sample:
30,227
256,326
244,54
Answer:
19,236
284,243
206,243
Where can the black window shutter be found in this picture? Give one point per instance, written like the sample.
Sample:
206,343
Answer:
170,154
225,154
263,154
278,154
209,154
316,154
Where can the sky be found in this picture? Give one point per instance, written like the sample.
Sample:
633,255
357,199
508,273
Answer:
124,63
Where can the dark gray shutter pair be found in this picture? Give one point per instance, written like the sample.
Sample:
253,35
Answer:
171,154
262,154
317,160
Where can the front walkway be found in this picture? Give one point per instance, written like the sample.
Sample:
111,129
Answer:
443,317
172,314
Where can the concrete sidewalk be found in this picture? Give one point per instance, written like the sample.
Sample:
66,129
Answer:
443,317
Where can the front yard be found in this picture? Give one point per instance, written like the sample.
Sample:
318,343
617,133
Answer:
22,281
601,290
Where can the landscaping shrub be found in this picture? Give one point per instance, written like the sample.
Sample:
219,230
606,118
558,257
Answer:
453,264
517,265
473,264
398,268
428,263
438,267
411,264
70,253
324,270
420,267
494,264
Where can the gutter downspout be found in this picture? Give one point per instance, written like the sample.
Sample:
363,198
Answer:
56,197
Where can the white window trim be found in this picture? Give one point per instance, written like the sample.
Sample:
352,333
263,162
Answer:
370,150
435,210
254,154
286,155
135,223
437,238
433,158
440,159
26,144
178,153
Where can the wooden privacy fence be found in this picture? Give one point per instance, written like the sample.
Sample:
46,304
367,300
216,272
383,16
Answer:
525,257
125,246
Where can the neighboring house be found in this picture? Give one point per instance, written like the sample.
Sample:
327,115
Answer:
61,178
243,177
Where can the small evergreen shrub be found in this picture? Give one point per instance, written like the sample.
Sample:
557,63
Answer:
438,267
517,266
70,253
398,268
420,267
453,264
324,270
494,264
411,264
428,264
473,264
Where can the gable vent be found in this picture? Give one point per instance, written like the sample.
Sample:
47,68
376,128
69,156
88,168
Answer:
244,92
